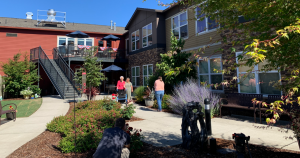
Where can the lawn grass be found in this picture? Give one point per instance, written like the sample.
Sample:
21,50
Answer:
25,107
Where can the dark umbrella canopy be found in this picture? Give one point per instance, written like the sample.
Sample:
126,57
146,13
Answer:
78,34
110,38
113,68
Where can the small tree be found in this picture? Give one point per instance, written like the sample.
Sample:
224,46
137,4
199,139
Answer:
175,64
93,71
19,74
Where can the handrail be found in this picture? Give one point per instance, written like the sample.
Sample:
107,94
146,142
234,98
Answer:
43,59
65,68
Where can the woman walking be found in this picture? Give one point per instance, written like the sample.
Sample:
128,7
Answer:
159,87
121,84
129,89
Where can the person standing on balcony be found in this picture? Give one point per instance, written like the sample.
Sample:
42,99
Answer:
159,86
129,89
121,84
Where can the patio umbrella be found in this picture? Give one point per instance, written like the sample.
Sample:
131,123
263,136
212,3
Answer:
78,34
113,68
110,38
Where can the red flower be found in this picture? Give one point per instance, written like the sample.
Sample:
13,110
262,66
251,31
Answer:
128,132
138,134
140,130
130,128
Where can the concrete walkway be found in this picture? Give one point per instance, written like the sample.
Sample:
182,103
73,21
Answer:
15,134
164,129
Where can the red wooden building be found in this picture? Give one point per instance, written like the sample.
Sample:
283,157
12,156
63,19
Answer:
57,52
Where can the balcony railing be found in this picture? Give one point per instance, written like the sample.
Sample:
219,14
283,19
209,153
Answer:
73,51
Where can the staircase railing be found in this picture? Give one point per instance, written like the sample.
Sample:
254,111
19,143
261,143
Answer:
57,80
65,68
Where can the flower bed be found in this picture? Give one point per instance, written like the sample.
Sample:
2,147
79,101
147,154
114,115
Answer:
92,118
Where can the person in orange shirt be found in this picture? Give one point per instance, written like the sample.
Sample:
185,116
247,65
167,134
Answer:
159,87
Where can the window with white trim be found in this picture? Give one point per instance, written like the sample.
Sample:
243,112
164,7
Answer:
210,72
205,25
135,75
64,41
180,25
85,41
147,35
256,81
135,40
147,72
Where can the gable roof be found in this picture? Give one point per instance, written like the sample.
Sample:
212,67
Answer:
141,9
70,27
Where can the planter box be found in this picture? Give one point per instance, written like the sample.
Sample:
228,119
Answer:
10,116
149,102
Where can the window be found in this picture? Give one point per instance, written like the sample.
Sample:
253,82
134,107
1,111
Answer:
85,41
135,75
207,24
147,35
210,72
11,35
100,44
180,26
135,39
108,43
257,82
147,72
63,41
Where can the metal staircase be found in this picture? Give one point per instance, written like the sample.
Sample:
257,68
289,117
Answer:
61,82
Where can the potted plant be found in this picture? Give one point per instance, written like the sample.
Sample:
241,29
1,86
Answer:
26,93
11,115
149,97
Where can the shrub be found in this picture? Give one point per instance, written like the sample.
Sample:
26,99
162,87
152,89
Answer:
139,93
165,104
191,91
35,89
92,118
26,92
128,111
136,139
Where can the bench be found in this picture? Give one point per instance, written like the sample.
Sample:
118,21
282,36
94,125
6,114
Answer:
7,111
241,101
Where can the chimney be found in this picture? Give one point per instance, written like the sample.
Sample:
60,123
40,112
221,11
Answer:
111,24
29,15
115,28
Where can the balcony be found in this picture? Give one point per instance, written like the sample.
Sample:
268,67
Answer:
77,53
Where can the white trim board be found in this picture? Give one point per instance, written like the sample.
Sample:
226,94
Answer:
188,49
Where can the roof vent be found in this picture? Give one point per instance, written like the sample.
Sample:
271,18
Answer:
51,15
111,24
29,15
115,28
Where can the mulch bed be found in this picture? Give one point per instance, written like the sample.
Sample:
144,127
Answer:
45,145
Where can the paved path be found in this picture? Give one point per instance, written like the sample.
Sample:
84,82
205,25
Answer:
15,134
163,129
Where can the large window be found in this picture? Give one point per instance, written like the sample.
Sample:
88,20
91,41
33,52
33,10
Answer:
180,25
210,72
85,41
135,40
256,81
135,75
64,41
207,24
147,72
147,35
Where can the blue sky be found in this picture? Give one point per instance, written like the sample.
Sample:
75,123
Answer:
80,11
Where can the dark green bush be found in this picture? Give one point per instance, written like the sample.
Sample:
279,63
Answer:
165,104
92,118
139,93
128,111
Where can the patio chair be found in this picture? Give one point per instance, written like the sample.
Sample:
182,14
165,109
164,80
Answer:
7,111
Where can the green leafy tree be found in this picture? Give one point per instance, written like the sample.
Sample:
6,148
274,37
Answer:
175,64
269,35
93,68
19,74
